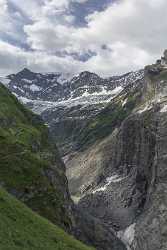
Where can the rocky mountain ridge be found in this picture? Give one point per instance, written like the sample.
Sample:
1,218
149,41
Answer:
67,105
118,172
49,87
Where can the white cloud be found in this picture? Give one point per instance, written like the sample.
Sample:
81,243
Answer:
13,59
31,8
5,22
123,58
133,31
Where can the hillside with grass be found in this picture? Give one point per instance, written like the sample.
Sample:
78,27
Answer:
22,229
104,123
30,166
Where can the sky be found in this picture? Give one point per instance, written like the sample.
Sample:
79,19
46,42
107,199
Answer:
107,37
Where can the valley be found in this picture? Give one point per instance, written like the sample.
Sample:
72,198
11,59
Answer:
111,134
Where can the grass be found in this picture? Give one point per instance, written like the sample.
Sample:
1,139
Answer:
106,121
27,154
22,229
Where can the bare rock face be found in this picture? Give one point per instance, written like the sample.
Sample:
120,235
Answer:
165,55
150,229
118,191
119,172
94,232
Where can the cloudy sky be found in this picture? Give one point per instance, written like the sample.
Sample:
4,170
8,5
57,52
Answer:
103,36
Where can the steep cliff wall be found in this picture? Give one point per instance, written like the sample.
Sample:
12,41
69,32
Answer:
118,173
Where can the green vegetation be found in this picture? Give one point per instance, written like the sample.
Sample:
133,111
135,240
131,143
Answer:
30,166
156,72
107,120
104,123
162,75
22,229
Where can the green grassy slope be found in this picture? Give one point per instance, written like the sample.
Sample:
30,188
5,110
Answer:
30,166
22,229
109,118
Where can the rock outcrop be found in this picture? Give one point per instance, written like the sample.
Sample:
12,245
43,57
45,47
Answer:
118,173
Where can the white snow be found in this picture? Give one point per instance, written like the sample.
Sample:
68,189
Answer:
127,235
164,109
24,99
112,179
41,106
21,90
26,86
103,92
124,102
86,99
117,90
26,80
34,88
147,107
62,79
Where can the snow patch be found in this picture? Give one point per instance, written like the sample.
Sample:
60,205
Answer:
164,109
127,235
62,79
124,102
24,99
103,92
34,88
147,107
112,179
21,90
26,80
117,90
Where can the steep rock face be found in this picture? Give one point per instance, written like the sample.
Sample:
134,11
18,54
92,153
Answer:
119,197
150,228
96,141
94,232
118,173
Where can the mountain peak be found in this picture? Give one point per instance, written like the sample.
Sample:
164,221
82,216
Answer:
87,73
26,73
25,70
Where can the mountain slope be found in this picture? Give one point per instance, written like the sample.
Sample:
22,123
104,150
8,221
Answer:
118,173
32,170
66,106
20,228
30,166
